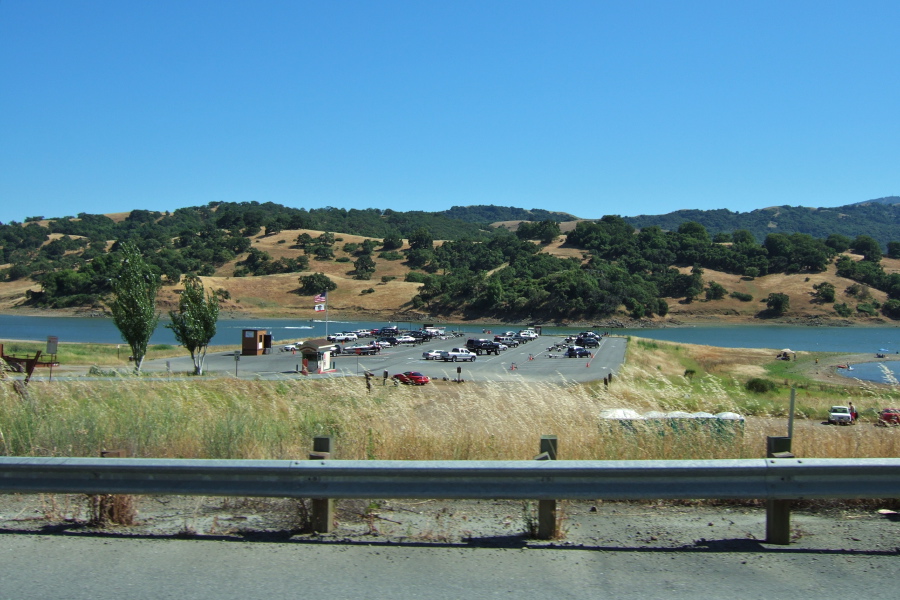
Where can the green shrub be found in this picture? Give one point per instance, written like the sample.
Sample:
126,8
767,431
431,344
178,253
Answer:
416,277
387,278
342,259
390,255
842,309
741,296
368,291
867,308
758,385
891,309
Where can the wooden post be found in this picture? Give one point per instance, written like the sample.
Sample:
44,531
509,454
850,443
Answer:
322,508
547,529
778,512
118,509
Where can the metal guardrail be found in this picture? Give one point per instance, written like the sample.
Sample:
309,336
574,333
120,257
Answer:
770,478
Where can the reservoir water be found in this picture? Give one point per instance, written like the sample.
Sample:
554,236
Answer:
885,340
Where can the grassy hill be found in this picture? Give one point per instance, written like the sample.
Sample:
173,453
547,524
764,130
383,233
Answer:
277,295
73,255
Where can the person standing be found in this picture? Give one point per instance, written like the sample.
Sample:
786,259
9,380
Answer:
853,414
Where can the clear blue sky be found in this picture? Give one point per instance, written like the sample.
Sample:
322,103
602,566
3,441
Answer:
594,108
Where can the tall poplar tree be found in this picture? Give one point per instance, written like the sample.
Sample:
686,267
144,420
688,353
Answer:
194,323
135,286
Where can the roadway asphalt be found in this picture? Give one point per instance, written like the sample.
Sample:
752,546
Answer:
612,550
533,361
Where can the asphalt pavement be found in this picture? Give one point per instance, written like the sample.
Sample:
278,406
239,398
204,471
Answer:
536,360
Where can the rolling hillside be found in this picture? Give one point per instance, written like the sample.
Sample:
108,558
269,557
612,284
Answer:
276,295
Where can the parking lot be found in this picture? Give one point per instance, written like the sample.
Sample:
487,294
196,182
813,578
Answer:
532,361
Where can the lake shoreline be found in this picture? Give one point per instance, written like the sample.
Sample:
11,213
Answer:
412,317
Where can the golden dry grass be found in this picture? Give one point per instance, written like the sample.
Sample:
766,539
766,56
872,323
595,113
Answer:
229,418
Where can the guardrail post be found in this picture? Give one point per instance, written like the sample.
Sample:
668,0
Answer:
322,508
778,512
547,522
112,508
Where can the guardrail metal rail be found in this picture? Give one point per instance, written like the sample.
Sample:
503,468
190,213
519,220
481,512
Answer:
763,479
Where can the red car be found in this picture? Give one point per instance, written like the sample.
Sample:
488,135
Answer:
411,378
889,416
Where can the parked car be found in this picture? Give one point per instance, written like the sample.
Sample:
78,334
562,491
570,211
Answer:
411,378
889,416
363,349
588,342
840,415
483,346
406,339
432,355
509,340
578,352
342,337
455,354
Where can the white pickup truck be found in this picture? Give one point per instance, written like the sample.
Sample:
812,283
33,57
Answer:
342,337
840,415
455,354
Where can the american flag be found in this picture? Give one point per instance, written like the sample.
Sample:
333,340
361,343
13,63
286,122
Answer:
321,297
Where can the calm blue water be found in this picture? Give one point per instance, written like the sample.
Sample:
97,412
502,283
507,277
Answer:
228,331
824,339
882,372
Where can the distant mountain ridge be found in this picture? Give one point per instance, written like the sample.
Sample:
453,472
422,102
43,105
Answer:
878,218
491,214
885,200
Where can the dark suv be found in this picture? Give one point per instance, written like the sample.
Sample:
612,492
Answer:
588,342
578,353
483,346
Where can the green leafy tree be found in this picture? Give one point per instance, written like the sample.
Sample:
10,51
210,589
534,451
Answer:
838,242
364,266
824,292
545,231
194,323
323,252
367,246
868,247
715,291
893,249
392,242
778,304
133,307
317,283
421,239
891,309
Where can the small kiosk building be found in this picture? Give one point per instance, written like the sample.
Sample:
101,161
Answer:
255,342
317,355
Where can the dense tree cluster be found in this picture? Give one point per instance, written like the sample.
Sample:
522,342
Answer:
491,272
494,214
878,218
